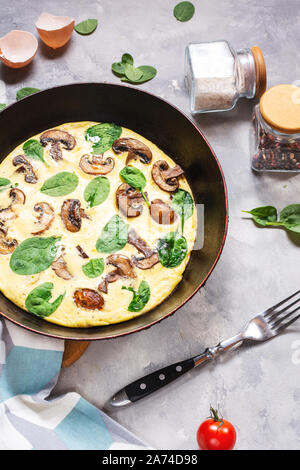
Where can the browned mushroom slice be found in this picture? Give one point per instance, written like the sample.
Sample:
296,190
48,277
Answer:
162,213
88,298
45,217
7,245
129,200
135,148
82,253
25,167
165,177
96,164
59,266
71,214
17,197
56,137
124,270
150,257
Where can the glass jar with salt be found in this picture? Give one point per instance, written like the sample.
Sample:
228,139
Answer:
217,75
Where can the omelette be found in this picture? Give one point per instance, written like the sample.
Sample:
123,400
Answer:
96,225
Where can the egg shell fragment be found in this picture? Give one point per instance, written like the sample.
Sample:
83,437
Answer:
55,31
18,48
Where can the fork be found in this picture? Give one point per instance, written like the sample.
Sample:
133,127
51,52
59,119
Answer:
262,327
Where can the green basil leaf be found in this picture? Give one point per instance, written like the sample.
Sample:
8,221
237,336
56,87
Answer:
148,73
34,255
132,73
127,59
38,303
27,91
114,236
183,204
118,68
135,178
34,149
86,27
94,268
60,184
290,218
97,191
103,136
265,215
140,298
184,11
172,249
2,106
4,182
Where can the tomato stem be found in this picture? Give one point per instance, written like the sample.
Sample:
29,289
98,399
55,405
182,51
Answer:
214,415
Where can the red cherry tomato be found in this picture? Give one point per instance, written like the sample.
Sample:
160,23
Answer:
216,433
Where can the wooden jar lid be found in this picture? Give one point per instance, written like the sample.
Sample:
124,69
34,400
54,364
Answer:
280,108
261,72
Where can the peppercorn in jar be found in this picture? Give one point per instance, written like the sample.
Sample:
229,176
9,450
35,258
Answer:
275,134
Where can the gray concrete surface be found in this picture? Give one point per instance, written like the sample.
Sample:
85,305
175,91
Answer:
258,389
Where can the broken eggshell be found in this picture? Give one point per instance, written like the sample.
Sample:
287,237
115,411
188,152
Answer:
55,31
18,48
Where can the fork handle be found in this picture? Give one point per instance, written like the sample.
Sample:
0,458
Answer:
144,386
157,380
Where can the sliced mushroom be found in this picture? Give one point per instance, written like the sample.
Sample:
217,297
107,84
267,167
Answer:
17,197
124,270
135,148
57,137
162,213
25,167
150,257
129,200
165,177
59,266
7,245
96,165
82,253
45,217
88,298
71,214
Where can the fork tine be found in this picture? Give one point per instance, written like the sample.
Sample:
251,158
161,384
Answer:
271,309
286,325
281,320
276,314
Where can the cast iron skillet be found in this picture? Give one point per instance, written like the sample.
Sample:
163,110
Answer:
159,122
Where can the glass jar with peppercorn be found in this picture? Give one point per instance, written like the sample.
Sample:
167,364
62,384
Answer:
275,135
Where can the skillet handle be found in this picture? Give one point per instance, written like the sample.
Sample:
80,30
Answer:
151,383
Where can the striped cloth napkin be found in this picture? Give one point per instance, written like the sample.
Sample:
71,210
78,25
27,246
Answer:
29,369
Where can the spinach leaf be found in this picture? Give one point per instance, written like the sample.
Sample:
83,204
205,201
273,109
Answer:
60,184
265,215
94,268
34,255
38,303
172,249
148,71
118,68
4,182
114,236
127,59
97,191
140,298
103,136
135,178
132,73
86,27
34,149
27,91
290,218
2,106
183,204
184,11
